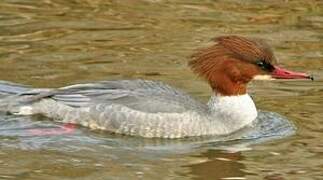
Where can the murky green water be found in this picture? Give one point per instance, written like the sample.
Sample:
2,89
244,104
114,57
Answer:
50,43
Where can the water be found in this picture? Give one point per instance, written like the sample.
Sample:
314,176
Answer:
51,43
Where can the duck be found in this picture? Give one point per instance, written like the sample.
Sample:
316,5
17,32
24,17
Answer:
153,109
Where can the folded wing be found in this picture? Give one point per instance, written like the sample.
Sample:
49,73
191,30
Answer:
140,95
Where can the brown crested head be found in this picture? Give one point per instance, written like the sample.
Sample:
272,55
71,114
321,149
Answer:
232,62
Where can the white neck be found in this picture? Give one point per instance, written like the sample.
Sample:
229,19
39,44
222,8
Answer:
235,112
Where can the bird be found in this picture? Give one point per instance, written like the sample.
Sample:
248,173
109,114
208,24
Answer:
153,109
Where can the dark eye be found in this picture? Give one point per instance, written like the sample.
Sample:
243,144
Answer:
266,66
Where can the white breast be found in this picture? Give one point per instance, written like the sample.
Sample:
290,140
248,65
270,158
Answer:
235,111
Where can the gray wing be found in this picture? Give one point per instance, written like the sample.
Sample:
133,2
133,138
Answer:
141,95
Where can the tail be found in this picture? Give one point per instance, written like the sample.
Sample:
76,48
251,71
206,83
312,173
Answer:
9,95
10,88
15,98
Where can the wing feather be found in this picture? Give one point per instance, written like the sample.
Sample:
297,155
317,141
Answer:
141,95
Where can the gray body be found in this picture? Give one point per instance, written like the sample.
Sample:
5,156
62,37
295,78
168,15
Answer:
132,107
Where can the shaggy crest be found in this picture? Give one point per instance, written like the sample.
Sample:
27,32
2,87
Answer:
230,64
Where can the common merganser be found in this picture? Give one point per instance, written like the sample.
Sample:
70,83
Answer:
154,109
